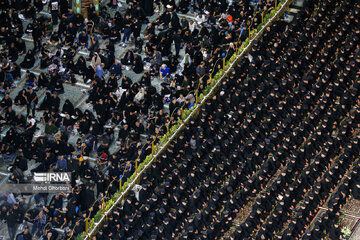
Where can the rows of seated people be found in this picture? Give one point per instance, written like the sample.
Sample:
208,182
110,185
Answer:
288,113
328,223
114,98
334,108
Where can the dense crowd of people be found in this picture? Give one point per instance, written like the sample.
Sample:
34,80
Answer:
281,135
176,51
328,223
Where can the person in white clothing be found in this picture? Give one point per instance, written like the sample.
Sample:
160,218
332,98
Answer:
192,26
200,19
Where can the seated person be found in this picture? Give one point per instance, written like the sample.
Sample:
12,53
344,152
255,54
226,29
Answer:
6,102
94,43
31,79
138,65
89,146
43,81
31,215
128,59
103,159
165,75
153,70
46,56
69,38
61,164
55,38
90,27
115,69
50,130
26,235
83,40
138,45
13,52
21,46
10,116
80,66
29,60
15,71
48,27
59,87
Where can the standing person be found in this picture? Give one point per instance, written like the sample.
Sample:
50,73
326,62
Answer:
40,221
32,100
127,30
19,213
11,223
36,34
54,8
148,6
64,6
177,42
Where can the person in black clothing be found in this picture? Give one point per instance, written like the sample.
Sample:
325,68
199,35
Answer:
11,220
13,52
54,8
6,102
148,6
138,65
250,118
29,60
64,7
10,116
26,235
31,103
36,34
127,29
87,198
15,71
356,191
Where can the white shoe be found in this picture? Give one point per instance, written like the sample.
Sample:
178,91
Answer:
21,227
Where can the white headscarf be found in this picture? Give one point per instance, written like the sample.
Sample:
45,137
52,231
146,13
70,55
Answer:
181,65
